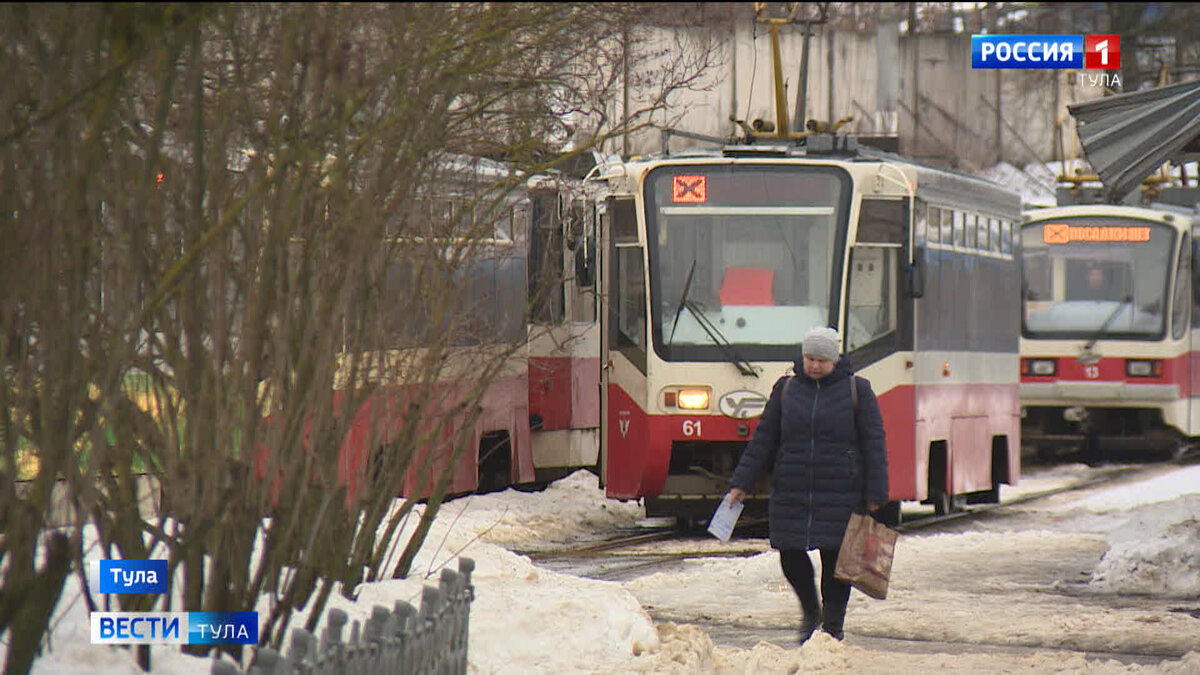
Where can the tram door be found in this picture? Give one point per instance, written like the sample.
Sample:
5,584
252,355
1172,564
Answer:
624,351
879,327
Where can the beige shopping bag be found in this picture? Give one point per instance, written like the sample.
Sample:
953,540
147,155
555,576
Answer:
865,559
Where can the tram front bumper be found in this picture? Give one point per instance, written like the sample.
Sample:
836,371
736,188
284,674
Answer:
1059,393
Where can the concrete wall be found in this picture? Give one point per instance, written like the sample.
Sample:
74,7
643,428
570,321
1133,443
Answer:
921,87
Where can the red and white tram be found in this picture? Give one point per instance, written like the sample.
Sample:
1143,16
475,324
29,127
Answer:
1108,337
715,265
528,299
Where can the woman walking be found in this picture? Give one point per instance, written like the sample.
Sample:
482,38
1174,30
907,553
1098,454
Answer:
821,436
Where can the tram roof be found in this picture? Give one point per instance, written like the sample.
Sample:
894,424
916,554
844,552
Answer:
948,185
1167,213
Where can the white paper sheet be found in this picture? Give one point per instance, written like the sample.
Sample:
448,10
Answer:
724,518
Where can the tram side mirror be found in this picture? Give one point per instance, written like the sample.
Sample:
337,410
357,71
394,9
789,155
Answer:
585,263
915,275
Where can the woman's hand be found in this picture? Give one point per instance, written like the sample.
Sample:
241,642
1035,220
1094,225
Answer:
872,507
736,495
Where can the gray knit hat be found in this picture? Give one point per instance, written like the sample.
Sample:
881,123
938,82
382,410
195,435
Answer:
823,343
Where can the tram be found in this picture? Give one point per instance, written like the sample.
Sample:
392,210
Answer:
1109,319
526,304
717,262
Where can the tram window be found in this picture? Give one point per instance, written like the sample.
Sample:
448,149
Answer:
583,264
1036,277
1195,280
983,239
546,261
994,226
624,221
947,227
872,294
502,224
1180,304
970,230
630,304
921,221
960,228
933,225
881,221
1006,236
575,224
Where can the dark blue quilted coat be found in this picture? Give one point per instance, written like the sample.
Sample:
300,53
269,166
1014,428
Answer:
820,471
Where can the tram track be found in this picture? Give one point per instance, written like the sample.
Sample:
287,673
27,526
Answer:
977,510
608,544
609,559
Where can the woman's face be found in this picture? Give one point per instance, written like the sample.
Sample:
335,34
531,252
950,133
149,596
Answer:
816,367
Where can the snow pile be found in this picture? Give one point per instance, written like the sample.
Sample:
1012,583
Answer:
1156,552
527,619
523,619
568,509
1163,488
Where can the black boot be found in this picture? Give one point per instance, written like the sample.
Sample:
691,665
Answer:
833,620
809,623
811,607
835,595
799,572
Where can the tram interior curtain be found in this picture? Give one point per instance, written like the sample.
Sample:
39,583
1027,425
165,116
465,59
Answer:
865,559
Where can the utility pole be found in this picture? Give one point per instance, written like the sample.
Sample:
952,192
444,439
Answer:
801,110
802,83
916,82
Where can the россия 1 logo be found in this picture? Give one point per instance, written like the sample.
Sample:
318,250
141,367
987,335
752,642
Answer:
1046,51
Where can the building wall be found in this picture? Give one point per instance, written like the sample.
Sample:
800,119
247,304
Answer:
943,110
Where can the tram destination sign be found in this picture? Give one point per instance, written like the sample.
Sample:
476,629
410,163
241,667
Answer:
1057,233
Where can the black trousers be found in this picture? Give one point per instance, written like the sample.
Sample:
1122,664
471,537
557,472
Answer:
835,594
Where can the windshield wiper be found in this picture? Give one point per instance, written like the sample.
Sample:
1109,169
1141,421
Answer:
687,286
728,349
714,333
1100,331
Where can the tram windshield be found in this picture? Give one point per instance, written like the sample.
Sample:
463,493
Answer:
1090,277
741,254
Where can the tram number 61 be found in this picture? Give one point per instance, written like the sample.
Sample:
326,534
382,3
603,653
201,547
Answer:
691,427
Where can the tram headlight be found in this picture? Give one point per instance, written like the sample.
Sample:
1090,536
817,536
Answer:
1044,367
1143,368
693,399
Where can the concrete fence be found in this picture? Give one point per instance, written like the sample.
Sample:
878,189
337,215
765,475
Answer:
430,640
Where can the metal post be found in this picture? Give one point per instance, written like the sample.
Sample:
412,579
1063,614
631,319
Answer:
831,54
802,83
781,116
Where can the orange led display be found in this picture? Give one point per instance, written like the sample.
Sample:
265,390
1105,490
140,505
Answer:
689,190
1057,233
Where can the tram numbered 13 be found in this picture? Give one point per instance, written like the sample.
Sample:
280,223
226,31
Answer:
1108,331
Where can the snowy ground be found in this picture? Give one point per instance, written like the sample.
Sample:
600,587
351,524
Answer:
1072,583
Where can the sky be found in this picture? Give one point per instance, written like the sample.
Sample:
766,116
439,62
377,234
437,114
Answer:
1141,538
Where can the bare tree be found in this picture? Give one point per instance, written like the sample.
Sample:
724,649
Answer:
219,260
